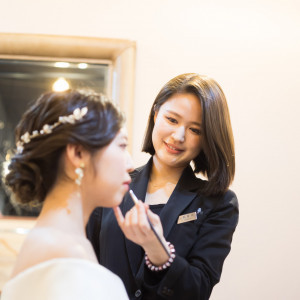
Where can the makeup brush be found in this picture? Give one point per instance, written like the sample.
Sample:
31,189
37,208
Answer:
135,200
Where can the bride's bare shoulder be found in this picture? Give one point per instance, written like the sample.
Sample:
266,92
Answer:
46,243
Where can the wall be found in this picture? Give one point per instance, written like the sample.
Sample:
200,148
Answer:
252,49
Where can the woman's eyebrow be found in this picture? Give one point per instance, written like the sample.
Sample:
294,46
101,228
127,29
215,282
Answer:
178,115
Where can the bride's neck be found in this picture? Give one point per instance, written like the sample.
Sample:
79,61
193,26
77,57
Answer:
63,207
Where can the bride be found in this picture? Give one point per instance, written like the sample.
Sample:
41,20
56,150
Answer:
71,157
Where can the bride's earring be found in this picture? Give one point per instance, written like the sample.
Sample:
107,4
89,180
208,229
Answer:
79,172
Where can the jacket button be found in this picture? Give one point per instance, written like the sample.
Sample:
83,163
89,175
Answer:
166,291
138,293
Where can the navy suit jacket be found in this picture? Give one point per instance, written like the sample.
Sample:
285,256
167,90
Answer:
201,245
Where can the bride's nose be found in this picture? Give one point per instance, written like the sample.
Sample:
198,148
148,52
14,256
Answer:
129,163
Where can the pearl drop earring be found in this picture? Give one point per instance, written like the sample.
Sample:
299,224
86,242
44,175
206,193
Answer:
79,172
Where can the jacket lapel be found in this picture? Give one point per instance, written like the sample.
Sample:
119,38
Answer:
183,194
140,178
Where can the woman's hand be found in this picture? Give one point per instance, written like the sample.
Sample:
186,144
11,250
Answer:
136,228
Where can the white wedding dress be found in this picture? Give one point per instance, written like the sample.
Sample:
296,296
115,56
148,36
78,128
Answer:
65,278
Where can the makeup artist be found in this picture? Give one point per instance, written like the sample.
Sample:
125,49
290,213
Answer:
194,218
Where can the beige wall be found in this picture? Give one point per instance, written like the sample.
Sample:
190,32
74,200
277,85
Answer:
252,48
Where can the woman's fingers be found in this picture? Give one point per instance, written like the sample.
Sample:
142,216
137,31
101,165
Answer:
132,223
119,215
135,224
152,216
155,220
142,218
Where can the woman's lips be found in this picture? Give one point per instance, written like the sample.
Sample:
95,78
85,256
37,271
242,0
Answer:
172,149
126,184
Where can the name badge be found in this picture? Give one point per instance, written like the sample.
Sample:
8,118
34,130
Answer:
186,218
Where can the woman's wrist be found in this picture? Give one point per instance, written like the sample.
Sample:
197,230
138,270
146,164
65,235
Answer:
160,267
156,251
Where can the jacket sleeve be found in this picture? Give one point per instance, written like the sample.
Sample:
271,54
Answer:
194,275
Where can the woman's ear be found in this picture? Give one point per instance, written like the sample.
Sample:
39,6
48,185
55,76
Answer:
76,154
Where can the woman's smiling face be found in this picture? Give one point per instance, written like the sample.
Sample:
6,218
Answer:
177,133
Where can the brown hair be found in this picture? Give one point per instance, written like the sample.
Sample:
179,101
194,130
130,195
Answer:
33,172
217,158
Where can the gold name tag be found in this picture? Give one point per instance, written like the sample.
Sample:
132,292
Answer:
186,218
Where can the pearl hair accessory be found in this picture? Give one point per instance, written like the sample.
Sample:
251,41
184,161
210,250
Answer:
77,115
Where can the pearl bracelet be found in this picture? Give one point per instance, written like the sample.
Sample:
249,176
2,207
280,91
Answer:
166,264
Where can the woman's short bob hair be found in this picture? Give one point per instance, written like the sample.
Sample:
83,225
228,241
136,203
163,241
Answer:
217,158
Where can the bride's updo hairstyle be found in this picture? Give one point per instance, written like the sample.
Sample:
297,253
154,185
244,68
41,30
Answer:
34,168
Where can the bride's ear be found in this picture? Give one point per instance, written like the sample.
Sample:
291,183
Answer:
76,154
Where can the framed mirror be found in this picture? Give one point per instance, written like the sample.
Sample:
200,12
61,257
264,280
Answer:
32,64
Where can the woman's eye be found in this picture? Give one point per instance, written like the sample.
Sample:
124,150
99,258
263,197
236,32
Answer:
172,120
124,146
195,130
